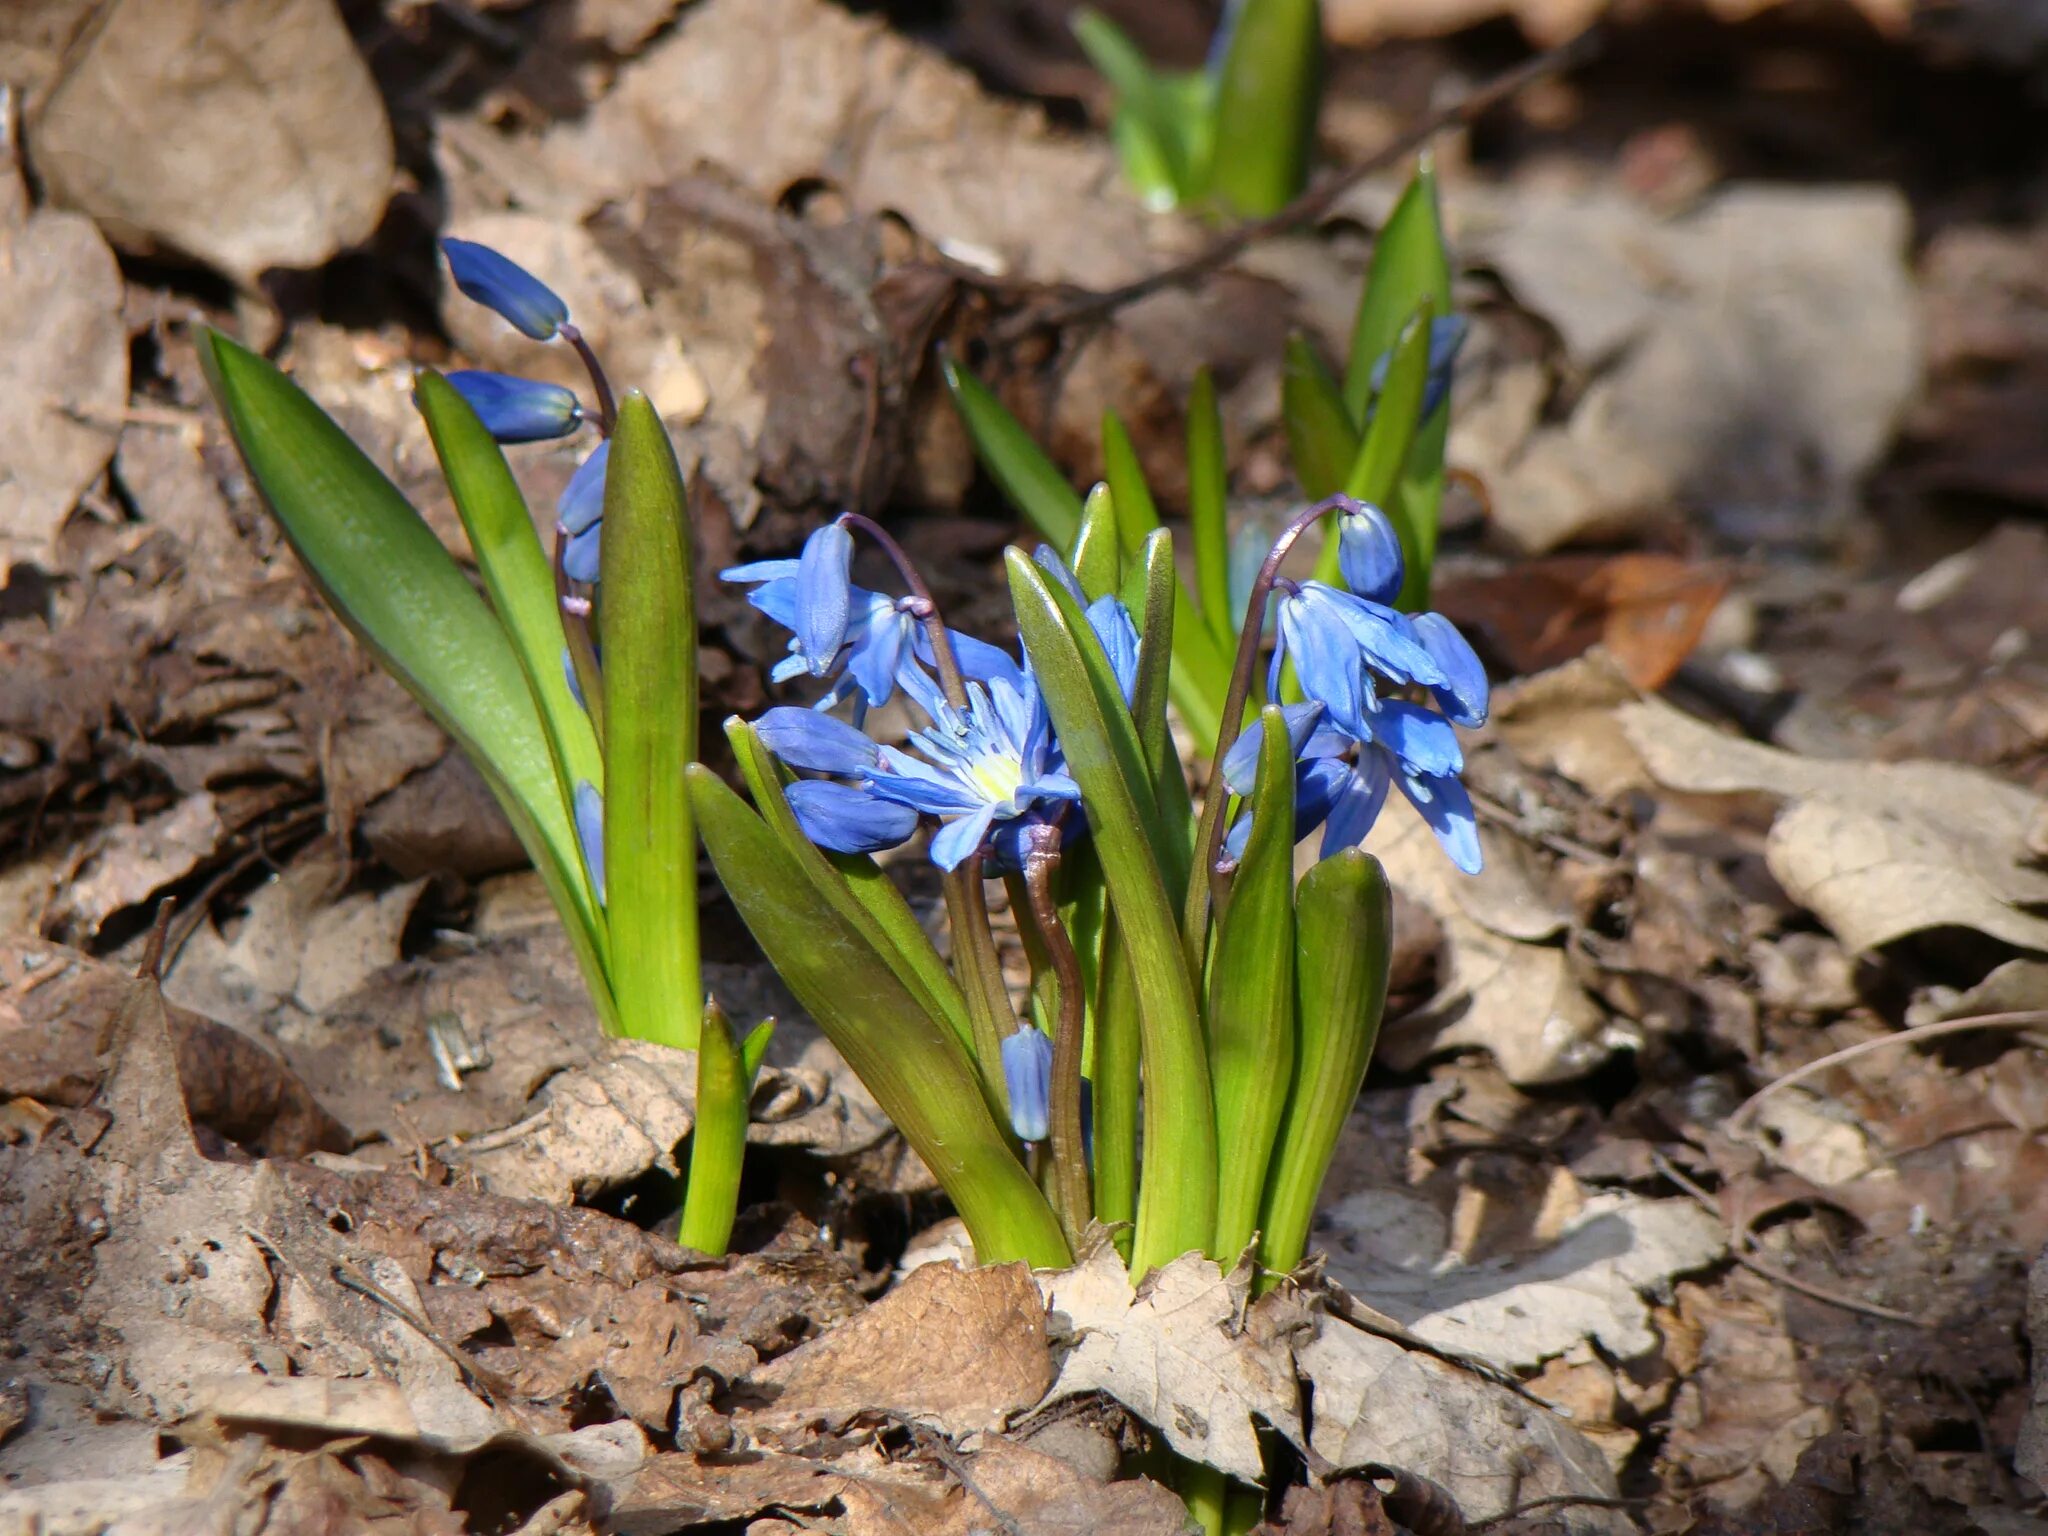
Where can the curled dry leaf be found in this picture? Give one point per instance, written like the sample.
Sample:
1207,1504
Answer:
128,863
284,152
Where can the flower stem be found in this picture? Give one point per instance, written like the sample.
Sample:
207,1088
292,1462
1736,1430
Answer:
1071,1198
1207,884
607,405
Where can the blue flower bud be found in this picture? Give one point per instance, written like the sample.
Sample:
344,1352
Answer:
517,410
501,284
589,807
1369,554
1027,1074
582,502
824,595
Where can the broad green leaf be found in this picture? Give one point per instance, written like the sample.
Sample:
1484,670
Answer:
1251,994
649,634
1396,412
1152,126
1136,513
857,888
718,1139
1322,439
910,1061
1409,264
385,574
1098,561
1208,507
517,572
1176,1204
1031,481
1115,1081
1152,593
1267,94
1417,506
1343,935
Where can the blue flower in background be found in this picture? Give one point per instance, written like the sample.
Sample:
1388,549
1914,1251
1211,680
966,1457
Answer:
589,808
1027,1076
1446,337
515,410
580,514
501,284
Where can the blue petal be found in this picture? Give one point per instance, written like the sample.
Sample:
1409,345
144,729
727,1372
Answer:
1111,621
1448,809
589,808
1241,762
961,839
1313,632
1049,561
582,502
923,787
1369,554
499,283
1384,636
575,682
760,570
880,647
803,738
1355,804
517,410
978,660
845,819
1423,740
1027,1075
824,594
1464,693
580,559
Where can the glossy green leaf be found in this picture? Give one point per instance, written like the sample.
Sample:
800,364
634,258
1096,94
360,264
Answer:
1322,439
1031,481
910,1061
1209,506
1115,1083
1129,491
754,1050
1176,1204
1152,594
1268,92
718,1139
856,886
1251,994
1375,472
1097,557
1343,935
1409,264
385,574
649,636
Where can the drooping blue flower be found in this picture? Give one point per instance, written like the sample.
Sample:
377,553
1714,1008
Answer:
515,410
874,649
1027,1075
580,512
499,283
824,593
589,808
1369,553
846,818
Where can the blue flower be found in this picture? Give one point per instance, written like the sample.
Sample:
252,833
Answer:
1446,337
875,646
1027,1074
824,593
589,808
1463,694
580,514
1369,553
501,284
517,410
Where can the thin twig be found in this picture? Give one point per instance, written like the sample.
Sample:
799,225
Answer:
1741,1240
941,1450
1076,308
2026,1018
1554,1501
347,1276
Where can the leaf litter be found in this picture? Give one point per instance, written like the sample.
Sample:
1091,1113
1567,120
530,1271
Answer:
1837,835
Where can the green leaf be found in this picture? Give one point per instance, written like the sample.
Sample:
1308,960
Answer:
857,888
387,577
649,632
1098,561
1159,139
1176,1203
1343,935
1136,513
1117,1055
1031,481
1153,595
910,1061
1147,157
1208,507
1396,413
754,1049
1251,994
1267,95
517,572
1322,439
718,1139
1409,264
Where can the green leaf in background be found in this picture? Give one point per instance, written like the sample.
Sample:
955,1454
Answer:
1136,513
1322,439
649,630
1209,507
1409,264
1268,92
385,574
1375,473
1097,557
1031,481
1251,994
910,1061
1343,935
1176,1200
1152,593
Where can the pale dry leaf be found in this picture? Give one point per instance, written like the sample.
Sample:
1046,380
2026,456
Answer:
1517,1000
127,864
1172,1350
350,942
1564,720
1875,850
1033,1494
1522,1309
961,1349
63,367
348,1405
1544,22
274,149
